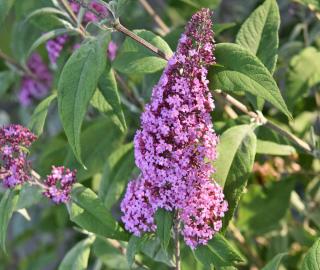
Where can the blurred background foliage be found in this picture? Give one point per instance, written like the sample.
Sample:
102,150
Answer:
279,214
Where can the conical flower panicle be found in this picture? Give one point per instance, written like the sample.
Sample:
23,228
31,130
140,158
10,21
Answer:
176,142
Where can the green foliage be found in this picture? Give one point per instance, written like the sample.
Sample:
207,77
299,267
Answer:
7,206
6,80
164,221
77,258
259,33
311,260
272,148
109,89
275,262
116,174
219,252
303,73
261,210
39,115
233,169
271,184
88,211
246,74
5,6
134,58
77,84
98,141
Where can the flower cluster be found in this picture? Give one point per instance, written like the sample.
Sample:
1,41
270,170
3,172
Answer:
54,48
177,144
59,183
88,15
37,84
16,170
14,141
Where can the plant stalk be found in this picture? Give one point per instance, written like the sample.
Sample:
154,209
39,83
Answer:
176,229
120,28
243,108
164,28
16,64
73,16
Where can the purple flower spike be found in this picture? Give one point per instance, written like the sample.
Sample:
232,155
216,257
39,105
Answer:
59,184
38,85
14,167
54,48
176,144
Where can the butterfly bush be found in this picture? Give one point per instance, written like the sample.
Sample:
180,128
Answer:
37,85
15,169
14,142
59,184
176,144
55,46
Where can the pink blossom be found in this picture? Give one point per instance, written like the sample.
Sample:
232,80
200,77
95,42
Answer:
176,144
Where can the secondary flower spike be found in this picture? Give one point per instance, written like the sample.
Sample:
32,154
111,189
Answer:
38,85
176,144
59,184
14,166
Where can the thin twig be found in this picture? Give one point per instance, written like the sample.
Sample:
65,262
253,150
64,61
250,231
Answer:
240,238
122,29
123,251
16,64
73,16
165,29
119,27
128,91
240,106
176,229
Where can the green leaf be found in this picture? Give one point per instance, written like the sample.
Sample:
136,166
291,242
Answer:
5,6
240,70
312,259
261,209
233,169
134,246
218,252
77,258
164,221
47,18
28,196
98,141
116,173
303,73
7,207
99,102
259,33
47,36
221,27
134,58
275,262
6,80
39,115
152,247
231,141
88,211
109,89
272,148
77,84
27,32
